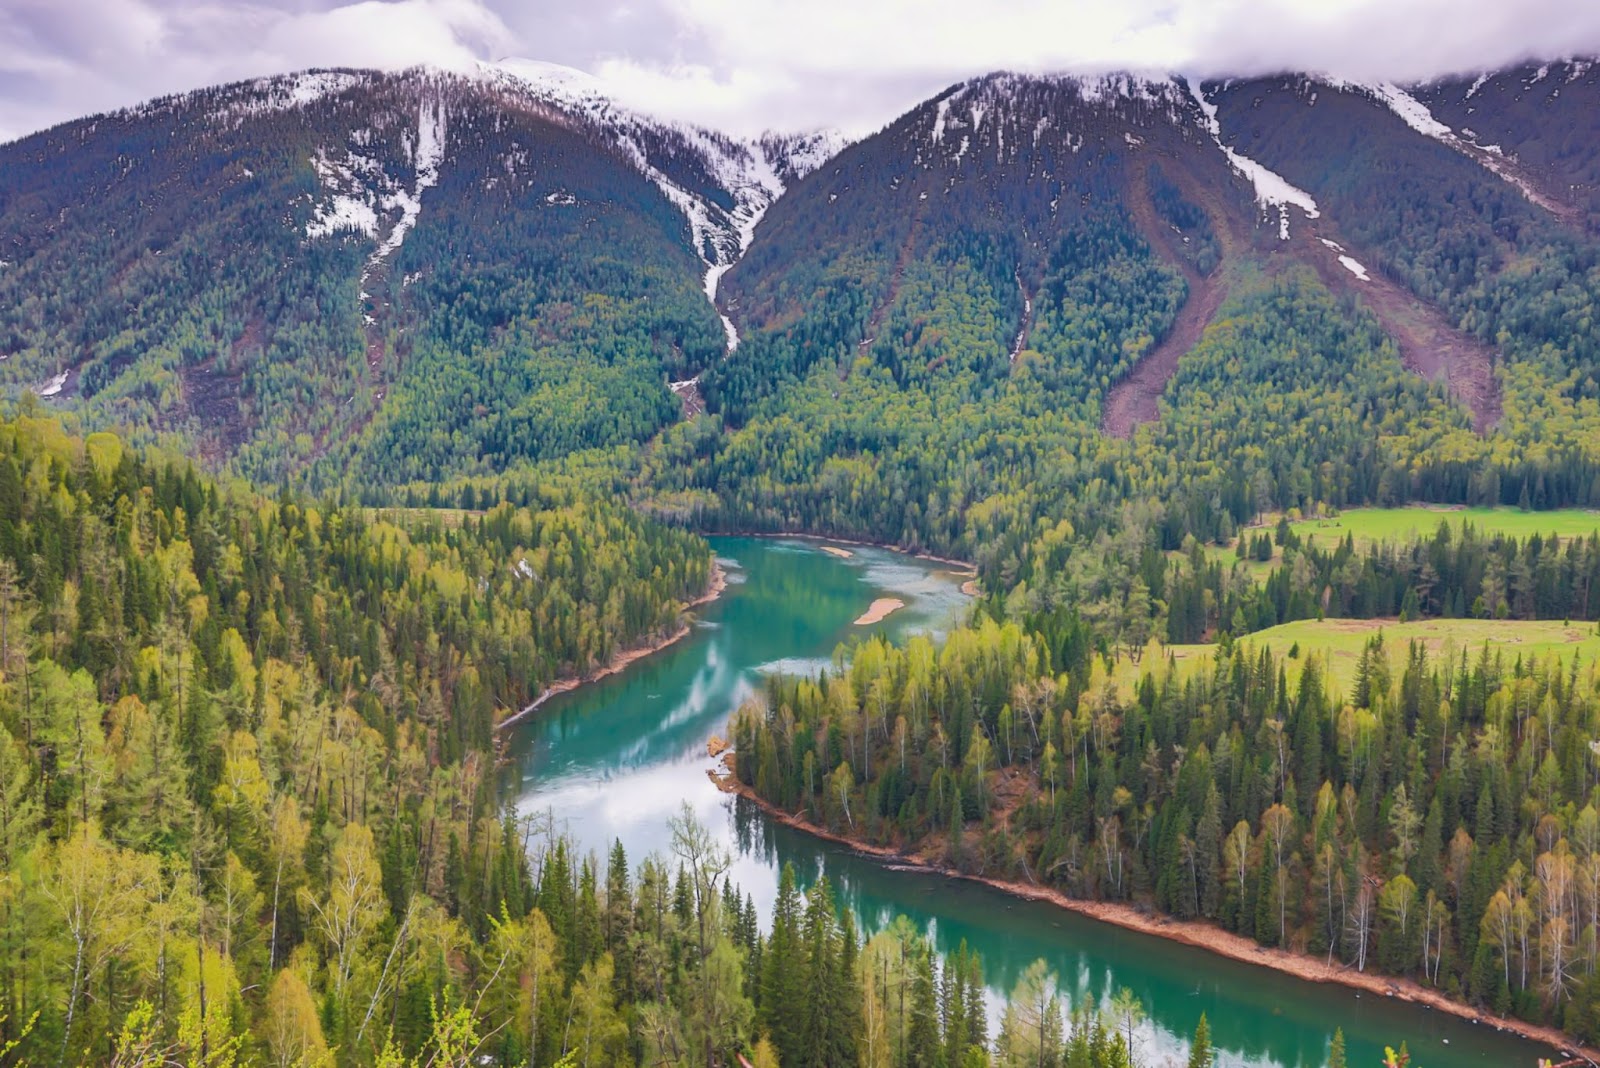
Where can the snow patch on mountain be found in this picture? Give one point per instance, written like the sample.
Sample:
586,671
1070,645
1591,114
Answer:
748,171
1413,112
1148,88
428,153
282,93
940,116
1417,116
343,213
361,192
794,156
1272,189
356,186
1354,267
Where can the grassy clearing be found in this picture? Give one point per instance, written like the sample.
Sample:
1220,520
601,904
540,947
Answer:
1375,526
1337,643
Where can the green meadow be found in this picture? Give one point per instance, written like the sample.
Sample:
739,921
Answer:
1376,526
1337,643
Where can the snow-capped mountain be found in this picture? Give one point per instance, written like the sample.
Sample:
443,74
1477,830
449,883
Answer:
455,270
721,185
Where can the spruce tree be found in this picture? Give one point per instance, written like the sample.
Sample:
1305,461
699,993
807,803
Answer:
923,1048
1201,1053
1336,1049
782,972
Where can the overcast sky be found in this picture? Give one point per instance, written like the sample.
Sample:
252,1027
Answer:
745,65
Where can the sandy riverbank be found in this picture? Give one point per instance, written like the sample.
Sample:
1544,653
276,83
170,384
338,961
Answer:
1191,933
962,566
879,610
566,684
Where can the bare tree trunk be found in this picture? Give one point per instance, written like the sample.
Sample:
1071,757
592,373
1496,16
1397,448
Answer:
72,998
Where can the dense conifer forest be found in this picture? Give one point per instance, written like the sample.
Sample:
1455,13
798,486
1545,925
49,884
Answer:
248,815
1438,822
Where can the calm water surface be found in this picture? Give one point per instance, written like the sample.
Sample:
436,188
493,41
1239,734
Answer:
616,759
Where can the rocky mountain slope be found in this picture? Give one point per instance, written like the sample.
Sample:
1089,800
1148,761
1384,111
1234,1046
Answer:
424,272
422,275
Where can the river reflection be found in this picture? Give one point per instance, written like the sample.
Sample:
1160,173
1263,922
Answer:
616,759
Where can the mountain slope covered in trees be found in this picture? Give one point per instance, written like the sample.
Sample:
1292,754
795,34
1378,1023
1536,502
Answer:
422,274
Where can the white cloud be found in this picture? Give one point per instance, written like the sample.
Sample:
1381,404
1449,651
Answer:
103,54
377,33
858,62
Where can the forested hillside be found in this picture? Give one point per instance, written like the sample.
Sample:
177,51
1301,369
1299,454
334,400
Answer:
421,274
936,324
1541,115
241,739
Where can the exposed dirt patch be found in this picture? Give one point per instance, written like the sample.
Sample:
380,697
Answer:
896,276
212,397
1136,398
1026,326
383,362
1538,188
1429,343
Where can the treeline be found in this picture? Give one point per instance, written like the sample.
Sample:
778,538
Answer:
1441,823
1457,573
245,763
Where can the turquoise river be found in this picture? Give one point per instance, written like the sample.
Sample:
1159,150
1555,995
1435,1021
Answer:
617,758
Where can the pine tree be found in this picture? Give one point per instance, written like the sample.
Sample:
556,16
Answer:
588,937
923,1047
783,972
1208,843
1201,1054
619,901
1336,1049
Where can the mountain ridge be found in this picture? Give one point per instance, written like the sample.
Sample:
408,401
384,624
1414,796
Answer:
390,183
